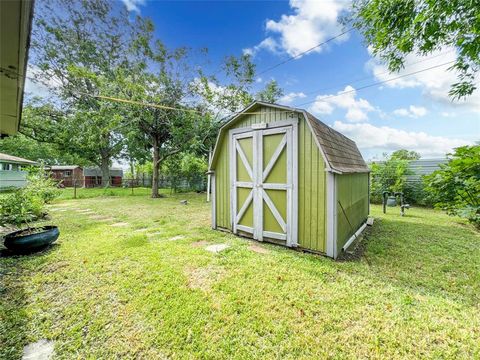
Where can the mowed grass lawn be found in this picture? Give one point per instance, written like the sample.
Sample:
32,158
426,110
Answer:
130,278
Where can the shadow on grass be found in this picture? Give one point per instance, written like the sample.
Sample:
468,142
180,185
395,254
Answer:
425,257
13,299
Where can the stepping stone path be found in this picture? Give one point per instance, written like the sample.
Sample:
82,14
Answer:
85,211
199,243
217,248
40,350
258,249
99,217
120,224
153,234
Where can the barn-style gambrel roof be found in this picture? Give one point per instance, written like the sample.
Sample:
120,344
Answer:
341,154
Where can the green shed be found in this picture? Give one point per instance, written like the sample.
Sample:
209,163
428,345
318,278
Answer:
281,175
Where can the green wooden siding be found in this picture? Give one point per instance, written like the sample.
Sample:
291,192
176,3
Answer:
311,180
352,195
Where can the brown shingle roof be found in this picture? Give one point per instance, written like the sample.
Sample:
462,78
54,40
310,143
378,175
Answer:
342,153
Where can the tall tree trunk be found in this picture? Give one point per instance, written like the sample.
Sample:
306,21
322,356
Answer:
105,168
156,158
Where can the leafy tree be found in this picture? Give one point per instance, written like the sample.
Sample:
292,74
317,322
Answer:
161,78
79,50
403,154
271,93
396,28
456,187
221,99
391,175
28,148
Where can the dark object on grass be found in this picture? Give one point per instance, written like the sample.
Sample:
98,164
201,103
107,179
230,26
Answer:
184,202
390,199
31,239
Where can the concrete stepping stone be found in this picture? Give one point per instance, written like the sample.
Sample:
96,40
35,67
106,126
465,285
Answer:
216,248
85,210
178,237
199,243
153,234
99,217
119,224
258,249
40,350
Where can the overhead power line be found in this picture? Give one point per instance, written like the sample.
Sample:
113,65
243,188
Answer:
133,102
303,52
372,76
376,83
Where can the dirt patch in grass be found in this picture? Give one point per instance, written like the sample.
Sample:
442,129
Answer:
203,278
258,249
357,250
200,243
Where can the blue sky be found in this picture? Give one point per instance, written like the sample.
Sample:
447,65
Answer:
413,112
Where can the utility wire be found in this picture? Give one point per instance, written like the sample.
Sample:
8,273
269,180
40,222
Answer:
372,76
303,52
133,102
375,84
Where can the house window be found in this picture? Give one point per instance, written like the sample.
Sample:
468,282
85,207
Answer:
7,167
67,173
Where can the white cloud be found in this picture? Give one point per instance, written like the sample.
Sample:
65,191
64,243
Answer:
412,111
435,83
312,23
133,5
37,88
447,114
346,99
387,139
267,44
290,97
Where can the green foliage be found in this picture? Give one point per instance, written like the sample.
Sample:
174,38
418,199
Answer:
403,154
28,204
80,50
396,28
28,148
456,187
188,167
271,93
390,175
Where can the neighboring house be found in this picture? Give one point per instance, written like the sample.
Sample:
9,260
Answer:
281,175
423,167
93,177
67,175
15,27
12,173
70,175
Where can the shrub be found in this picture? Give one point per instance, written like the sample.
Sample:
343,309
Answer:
456,187
390,175
28,204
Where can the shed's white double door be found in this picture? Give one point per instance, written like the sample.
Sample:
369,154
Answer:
263,170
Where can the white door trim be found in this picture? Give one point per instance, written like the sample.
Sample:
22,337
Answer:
258,175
